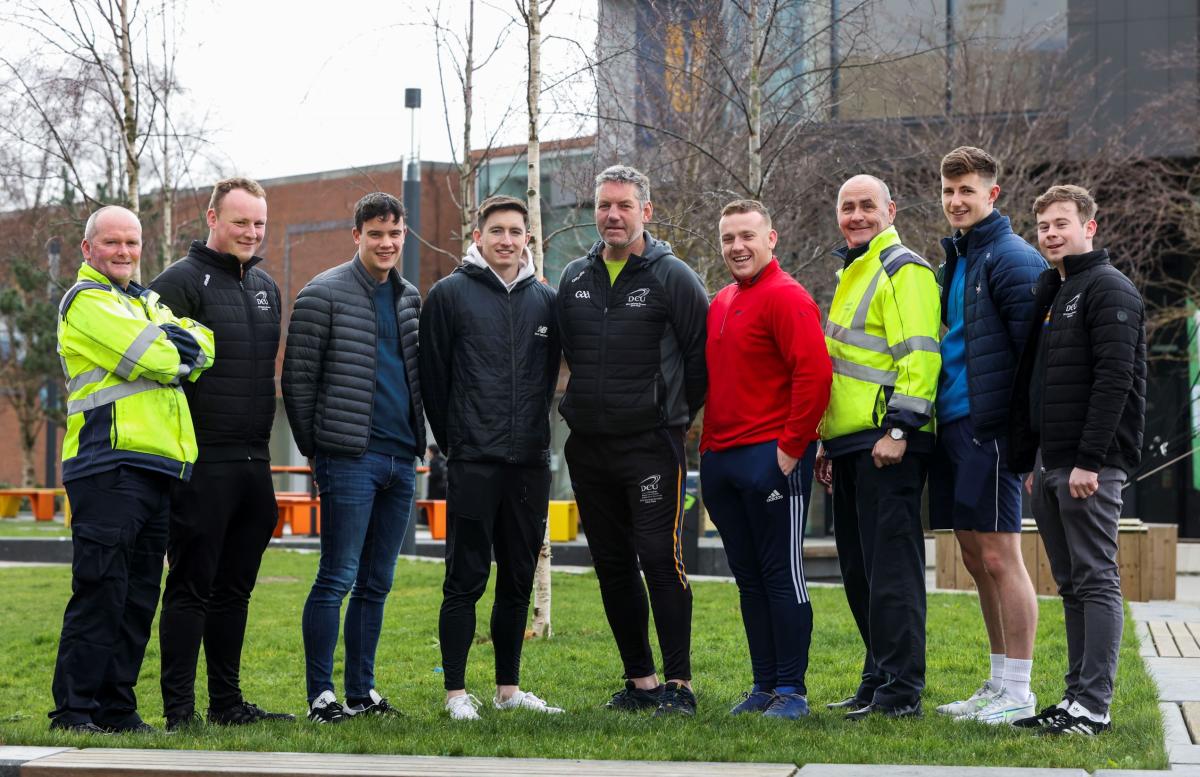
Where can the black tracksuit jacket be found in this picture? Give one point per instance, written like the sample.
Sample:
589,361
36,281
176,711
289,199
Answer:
636,348
1085,364
233,403
489,364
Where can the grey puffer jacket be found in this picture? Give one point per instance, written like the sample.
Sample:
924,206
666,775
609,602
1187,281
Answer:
329,363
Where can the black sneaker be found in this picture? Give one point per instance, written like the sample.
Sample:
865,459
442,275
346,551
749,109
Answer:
243,714
86,727
371,705
1073,724
134,725
848,703
325,709
906,711
676,699
185,722
634,699
1042,719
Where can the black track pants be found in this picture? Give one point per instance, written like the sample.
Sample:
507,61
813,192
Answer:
630,495
221,522
881,549
488,506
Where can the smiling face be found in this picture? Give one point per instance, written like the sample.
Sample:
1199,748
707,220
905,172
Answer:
864,210
1062,232
747,243
115,247
620,217
968,199
238,224
501,240
379,243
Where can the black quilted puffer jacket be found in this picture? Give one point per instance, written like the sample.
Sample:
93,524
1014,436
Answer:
489,359
1080,389
329,362
233,403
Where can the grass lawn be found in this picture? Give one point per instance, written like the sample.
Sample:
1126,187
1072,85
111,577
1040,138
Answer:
15,527
578,669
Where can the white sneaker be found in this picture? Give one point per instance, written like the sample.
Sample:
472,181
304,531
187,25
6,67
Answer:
973,704
464,707
325,709
1003,708
523,700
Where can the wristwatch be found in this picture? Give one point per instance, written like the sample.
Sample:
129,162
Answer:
897,433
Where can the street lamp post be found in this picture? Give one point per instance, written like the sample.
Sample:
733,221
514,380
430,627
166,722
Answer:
53,258
411,267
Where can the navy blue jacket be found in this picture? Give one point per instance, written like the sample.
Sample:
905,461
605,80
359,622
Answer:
1002,275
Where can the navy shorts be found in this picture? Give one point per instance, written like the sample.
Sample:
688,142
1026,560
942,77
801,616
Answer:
970,486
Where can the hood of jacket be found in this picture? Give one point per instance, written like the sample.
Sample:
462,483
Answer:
655,249
525,265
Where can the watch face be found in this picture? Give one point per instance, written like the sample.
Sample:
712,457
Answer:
896,434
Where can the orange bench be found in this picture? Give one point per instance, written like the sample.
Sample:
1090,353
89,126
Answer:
296,509
435,514
41,501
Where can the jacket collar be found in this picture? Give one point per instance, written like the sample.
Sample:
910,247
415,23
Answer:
1082,262
771,268
89,273
227,262
990,227
848,254
367,280
652,252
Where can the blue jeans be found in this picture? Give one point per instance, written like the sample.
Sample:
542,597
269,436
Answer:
365,507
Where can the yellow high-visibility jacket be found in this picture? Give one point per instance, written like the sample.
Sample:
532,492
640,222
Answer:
124,402
882,334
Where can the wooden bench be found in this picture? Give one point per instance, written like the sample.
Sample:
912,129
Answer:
1145,557
41,501
297,510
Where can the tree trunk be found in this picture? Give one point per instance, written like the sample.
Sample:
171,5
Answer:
533,24
466,171
754,178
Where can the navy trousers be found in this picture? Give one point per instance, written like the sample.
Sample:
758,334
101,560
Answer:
761,515
118,537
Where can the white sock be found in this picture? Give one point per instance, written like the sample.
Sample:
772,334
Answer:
1016,677
997,669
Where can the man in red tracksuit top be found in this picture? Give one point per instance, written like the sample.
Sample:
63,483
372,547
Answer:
768,384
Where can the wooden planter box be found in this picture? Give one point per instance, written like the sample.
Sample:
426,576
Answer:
1145,556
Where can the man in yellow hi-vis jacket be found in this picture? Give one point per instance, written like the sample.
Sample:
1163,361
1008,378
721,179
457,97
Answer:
877,433
129,434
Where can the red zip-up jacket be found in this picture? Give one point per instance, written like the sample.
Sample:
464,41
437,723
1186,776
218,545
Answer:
768,369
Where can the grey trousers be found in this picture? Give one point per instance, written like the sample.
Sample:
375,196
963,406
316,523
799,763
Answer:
1080,536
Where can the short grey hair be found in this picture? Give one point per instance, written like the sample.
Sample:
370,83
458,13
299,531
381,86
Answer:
626,174
89,229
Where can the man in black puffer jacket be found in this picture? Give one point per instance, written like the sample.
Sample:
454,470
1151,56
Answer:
353,399
489,357
633,321
1076,422
222,519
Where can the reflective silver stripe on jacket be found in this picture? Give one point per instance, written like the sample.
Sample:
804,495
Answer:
914,343
136,350
877,344
93,375
915,404
861,372
112,394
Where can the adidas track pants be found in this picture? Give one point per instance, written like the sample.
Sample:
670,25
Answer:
761,514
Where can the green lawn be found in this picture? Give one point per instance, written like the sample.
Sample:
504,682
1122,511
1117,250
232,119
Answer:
578,669
15,527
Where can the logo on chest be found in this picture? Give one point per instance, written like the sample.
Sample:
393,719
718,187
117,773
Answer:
637,299
651,493
260,299
1072,306
583,294
542,331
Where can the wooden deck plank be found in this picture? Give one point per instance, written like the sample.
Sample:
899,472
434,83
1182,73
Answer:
1164,642
106,762
1184,640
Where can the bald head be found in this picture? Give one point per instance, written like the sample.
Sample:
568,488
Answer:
864,209
112,243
